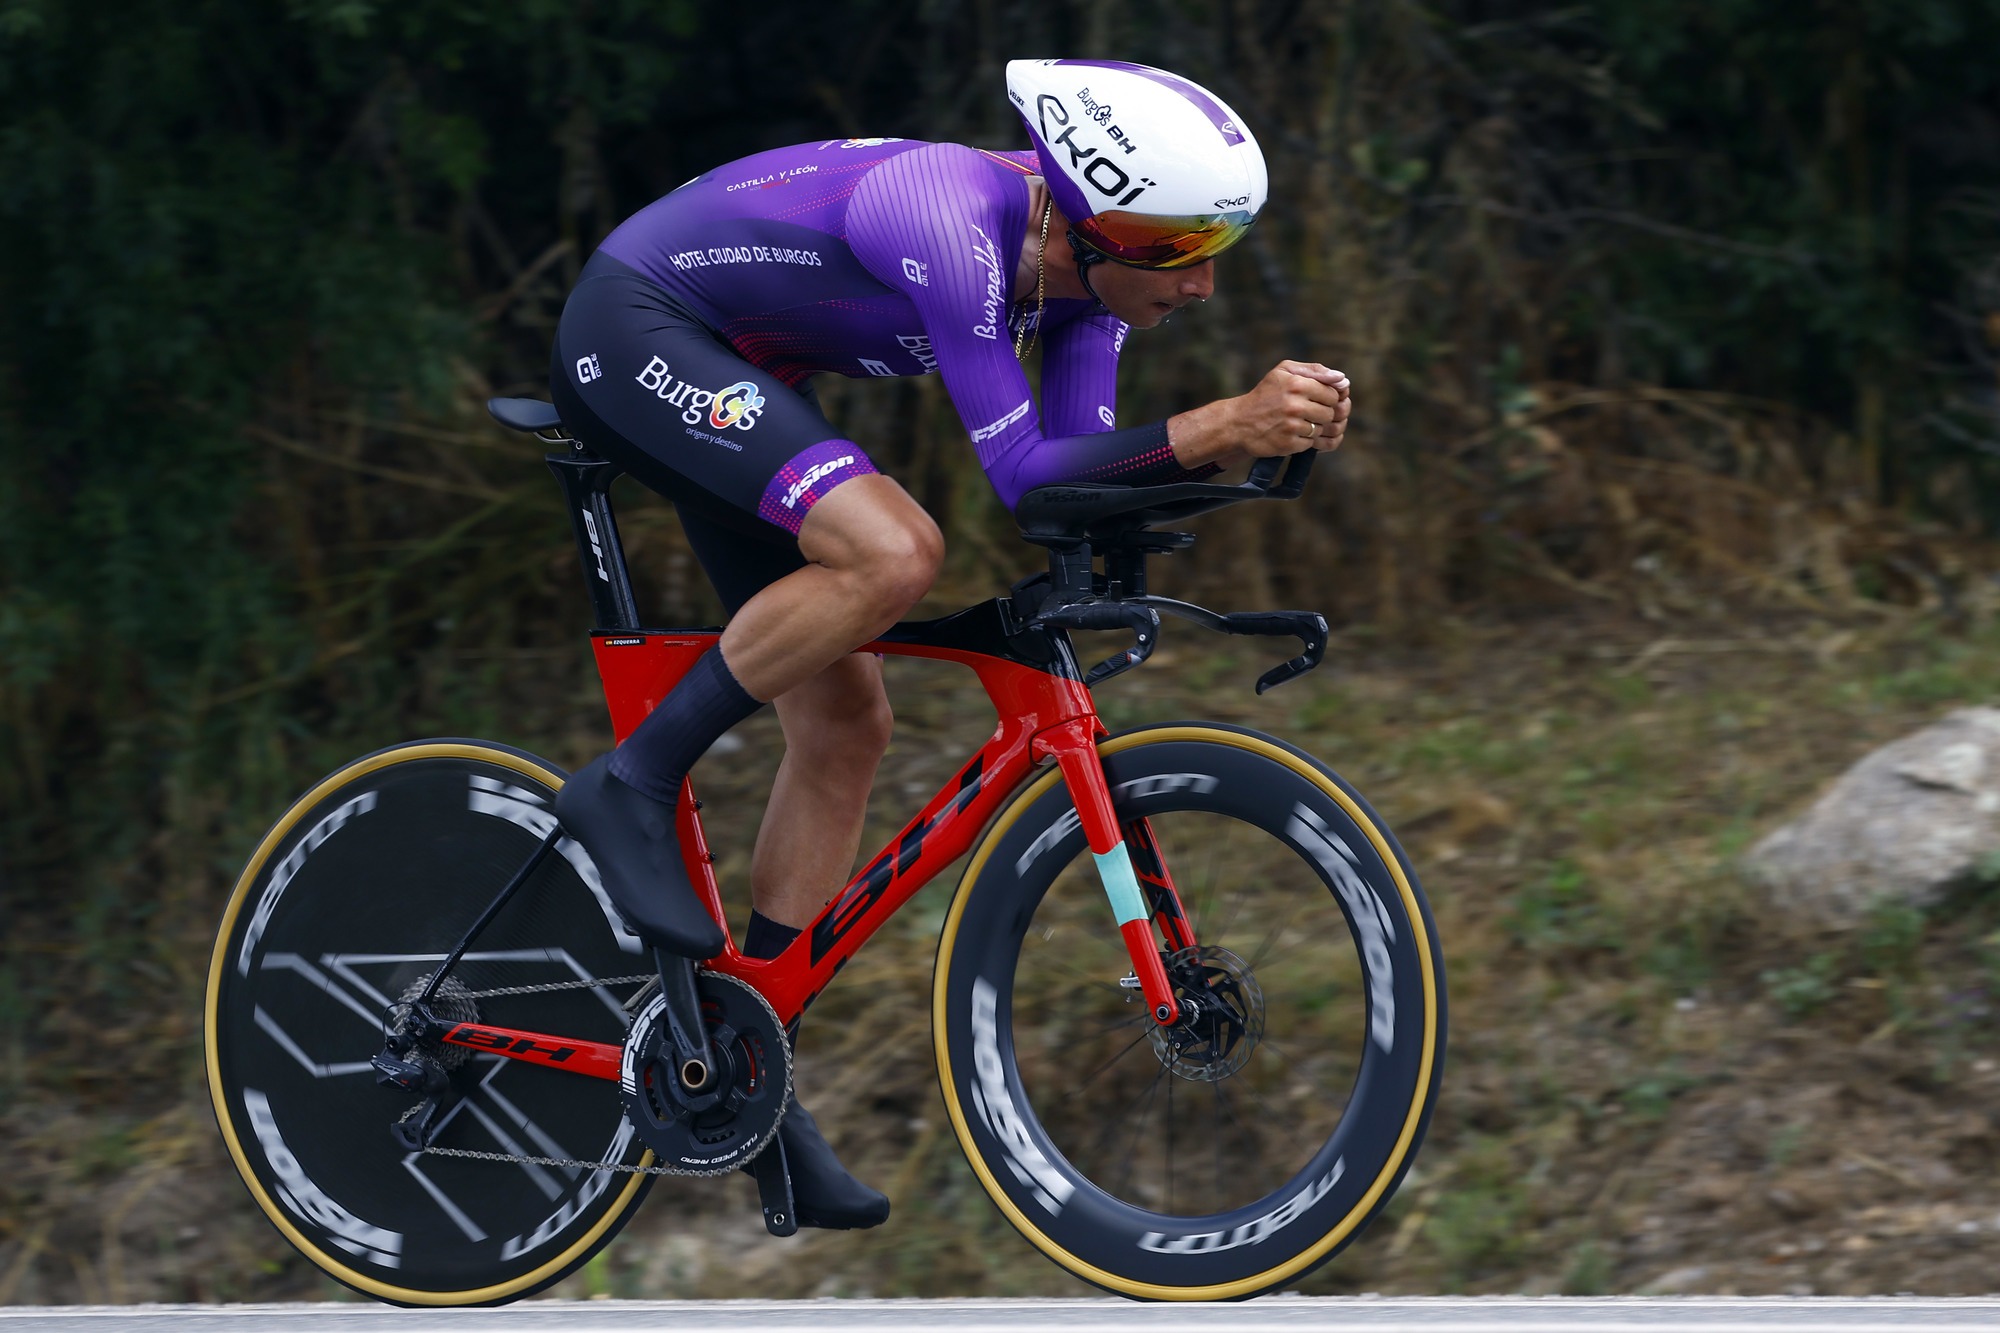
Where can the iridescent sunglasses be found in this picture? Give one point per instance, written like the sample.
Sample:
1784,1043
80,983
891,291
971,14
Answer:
1140,240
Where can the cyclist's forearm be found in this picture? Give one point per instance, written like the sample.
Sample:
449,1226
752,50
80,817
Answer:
1205,435
1133,456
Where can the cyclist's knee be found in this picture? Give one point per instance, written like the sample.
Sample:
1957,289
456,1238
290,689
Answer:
865,720
902,559
872,529
841,719
838,740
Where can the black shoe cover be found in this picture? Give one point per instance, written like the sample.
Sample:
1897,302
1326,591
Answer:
824,1195
631,838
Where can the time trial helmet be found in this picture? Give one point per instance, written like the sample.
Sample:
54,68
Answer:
1151,169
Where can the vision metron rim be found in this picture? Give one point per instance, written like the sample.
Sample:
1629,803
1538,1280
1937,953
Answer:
982,969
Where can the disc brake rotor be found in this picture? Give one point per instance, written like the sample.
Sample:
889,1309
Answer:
1222,1015
728,1120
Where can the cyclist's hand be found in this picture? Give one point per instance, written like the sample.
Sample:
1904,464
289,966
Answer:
1299,405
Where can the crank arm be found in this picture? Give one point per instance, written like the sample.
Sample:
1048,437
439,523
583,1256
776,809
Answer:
774,1189
686,1032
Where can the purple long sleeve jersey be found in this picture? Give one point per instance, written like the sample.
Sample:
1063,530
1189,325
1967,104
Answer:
896,257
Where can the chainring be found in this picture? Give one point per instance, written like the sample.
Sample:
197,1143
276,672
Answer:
1222,1018
715,1133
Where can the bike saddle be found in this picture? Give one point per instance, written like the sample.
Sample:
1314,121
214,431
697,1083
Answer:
524,414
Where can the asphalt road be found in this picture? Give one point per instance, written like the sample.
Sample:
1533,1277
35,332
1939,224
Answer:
1274,1315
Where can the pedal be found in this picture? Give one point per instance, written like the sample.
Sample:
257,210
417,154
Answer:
774,1189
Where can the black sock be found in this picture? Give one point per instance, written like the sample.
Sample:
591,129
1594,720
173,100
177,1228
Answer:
658,754
765,938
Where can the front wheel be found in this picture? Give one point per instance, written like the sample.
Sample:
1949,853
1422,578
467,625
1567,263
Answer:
1250,1141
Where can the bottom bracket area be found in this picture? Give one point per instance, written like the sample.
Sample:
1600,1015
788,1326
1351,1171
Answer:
733,1113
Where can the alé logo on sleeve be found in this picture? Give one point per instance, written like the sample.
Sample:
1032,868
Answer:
739,405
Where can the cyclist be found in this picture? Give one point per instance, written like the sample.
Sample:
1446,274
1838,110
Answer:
685,356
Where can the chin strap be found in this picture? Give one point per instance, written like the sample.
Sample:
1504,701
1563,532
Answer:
1086,258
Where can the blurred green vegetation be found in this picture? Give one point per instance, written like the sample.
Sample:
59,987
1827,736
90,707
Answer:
1669,312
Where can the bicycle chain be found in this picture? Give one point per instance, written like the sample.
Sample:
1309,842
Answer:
524,1159
565,1162
557,985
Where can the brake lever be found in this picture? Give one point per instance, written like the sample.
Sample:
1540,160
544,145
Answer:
1142,621
1119,663
1309,626
1297,467
1296,471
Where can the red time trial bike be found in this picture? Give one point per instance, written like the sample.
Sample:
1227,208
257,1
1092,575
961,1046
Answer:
1188,1007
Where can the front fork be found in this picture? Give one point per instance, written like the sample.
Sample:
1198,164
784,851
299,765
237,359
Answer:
1127,858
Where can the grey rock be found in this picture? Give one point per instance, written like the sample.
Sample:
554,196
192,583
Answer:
1908,823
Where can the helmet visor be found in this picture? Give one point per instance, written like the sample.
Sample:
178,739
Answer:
1144,241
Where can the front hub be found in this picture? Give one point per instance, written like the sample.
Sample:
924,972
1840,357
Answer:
1222,1015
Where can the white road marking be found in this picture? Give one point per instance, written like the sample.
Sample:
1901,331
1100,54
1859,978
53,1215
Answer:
1270,1315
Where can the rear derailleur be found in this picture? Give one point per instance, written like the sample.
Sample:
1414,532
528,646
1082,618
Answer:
414,1057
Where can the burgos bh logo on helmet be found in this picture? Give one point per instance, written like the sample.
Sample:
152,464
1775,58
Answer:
739,405
1105,176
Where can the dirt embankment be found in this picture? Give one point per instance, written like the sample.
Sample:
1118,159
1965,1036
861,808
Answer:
1653,1083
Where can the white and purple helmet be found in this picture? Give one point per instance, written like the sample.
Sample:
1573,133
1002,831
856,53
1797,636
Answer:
1151,170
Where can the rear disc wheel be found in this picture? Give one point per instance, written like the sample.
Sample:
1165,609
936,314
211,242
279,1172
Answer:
350,903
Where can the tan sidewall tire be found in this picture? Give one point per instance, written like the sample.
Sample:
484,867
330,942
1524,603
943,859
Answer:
988,880
624,1197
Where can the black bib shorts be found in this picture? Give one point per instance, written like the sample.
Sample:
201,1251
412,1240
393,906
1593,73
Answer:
643,382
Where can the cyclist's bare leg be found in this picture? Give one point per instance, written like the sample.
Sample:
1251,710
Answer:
874,552
837,725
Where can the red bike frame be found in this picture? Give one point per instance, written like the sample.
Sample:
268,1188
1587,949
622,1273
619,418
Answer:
1043,715
1024,661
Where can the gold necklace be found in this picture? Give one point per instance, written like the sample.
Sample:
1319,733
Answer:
1041,287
